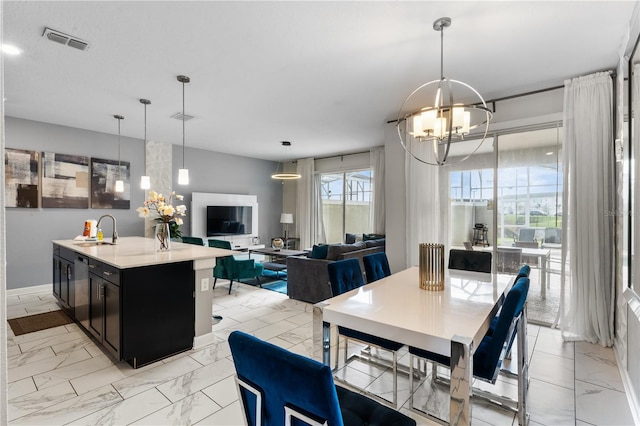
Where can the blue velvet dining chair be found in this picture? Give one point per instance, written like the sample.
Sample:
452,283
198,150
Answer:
346,275
492,350
232,269
277,387
376,266
470,260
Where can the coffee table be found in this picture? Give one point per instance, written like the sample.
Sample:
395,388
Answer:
275,255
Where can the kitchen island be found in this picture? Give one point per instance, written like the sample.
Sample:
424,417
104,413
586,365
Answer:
142,305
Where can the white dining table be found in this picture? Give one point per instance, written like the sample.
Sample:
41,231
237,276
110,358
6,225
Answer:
451,322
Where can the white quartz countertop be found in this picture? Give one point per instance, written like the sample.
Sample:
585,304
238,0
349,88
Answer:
133,252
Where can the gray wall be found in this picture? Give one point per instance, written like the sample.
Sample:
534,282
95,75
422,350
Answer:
30,231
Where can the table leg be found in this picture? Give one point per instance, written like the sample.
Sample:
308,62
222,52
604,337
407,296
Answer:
321,336
543,272
461,376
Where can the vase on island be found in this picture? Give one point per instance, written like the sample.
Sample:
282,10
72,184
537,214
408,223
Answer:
162,237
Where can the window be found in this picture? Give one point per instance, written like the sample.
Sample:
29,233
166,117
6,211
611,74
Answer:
346,203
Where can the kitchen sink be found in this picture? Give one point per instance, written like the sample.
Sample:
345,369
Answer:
93,243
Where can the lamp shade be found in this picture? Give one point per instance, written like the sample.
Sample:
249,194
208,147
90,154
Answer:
286,218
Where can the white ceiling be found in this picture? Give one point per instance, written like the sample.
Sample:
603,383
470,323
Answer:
324,75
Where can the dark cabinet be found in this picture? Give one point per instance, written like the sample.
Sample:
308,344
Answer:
141,314
63,279
104,306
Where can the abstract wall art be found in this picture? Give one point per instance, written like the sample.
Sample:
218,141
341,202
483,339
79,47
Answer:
104,174
21,178
65,181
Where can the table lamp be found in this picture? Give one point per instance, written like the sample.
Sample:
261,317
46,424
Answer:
286,219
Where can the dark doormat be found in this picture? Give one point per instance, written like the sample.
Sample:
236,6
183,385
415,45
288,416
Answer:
38,322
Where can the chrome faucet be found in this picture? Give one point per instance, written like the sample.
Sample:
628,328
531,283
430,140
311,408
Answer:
114,237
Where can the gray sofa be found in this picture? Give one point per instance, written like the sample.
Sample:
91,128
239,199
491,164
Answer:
308,279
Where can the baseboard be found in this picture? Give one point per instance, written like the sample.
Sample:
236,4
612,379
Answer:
204,340
628,389
28,290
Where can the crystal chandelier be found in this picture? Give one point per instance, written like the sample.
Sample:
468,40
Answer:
445,119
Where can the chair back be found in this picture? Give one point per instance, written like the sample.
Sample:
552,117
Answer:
525,270
526,234
488,357
222,244
271,379
470,260
193,240
552,235
376,266
509,259
344,275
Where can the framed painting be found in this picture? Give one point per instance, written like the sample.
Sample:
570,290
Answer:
65,181
104,174
21,178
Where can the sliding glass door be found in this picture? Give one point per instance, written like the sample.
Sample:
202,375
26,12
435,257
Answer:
346,204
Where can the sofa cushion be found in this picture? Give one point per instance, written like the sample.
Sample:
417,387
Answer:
319,251
366,237
336,250
375,243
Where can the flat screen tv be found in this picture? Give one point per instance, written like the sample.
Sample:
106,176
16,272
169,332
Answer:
228,220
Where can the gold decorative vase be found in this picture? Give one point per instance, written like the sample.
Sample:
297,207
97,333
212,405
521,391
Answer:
431,265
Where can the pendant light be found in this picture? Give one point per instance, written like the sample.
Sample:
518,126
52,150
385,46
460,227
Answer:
145,180
443,119
183,173
119,183
281,174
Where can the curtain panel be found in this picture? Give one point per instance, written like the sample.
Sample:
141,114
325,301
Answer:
426,205
378,207
588,203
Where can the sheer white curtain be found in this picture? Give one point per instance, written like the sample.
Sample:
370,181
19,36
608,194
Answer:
378,202
635,149
588,200
427,208
309,224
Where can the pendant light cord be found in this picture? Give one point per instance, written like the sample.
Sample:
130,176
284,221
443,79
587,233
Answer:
441,53
119,148
183,124
145,139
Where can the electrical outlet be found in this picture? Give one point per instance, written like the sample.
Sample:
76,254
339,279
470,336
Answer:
204,284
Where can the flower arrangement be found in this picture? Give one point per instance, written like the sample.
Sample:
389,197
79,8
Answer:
165,210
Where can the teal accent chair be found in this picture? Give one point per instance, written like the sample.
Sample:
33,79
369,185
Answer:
193,240
232,269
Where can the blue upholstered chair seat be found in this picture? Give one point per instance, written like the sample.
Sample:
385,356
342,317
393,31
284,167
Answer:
488,356
346,275
284,379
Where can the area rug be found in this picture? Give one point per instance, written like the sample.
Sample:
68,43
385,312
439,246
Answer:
38,322
279,286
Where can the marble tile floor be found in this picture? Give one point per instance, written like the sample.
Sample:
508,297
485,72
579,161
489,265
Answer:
61,376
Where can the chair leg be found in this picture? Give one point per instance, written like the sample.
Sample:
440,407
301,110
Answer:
215,280
259,283
230,284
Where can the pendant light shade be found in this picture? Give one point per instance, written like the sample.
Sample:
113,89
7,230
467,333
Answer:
183,173
432,119
145,180
119,187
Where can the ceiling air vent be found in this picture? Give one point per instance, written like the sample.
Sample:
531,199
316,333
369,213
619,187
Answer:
180,116
65,39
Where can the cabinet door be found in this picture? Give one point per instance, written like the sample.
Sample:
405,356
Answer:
66,274
56,276
112,317
96,306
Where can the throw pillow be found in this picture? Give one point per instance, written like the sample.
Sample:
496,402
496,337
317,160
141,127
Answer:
319,251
